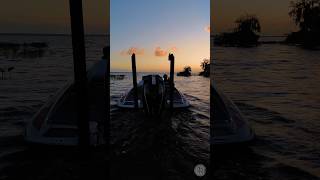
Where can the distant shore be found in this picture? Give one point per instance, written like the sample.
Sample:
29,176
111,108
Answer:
268,39
46,34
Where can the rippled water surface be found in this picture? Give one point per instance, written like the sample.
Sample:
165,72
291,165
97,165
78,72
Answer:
167,148
35,78
277,87
170,148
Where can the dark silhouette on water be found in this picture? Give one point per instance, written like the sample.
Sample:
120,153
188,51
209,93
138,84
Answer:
244,35
186,72
306,14
134,79
106,57
80,77
205,66
171,59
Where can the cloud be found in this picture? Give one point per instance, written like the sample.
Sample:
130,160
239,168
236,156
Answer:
160,52
207,28
132,50
173,49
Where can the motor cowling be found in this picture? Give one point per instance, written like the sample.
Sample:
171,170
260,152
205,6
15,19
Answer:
153,96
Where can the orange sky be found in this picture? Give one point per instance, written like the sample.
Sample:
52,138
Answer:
156,28
51,16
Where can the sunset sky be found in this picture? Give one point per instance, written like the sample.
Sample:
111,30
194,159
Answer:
42,16
152,29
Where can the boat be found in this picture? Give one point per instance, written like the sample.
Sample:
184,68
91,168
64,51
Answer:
153,93
229,124
56,122
127,99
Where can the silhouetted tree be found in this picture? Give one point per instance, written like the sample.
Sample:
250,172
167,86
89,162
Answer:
306,14
245,33
186,71
205,66
248,23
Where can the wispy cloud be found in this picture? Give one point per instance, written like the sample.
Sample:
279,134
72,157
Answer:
160,52
132,50
173,49
207,28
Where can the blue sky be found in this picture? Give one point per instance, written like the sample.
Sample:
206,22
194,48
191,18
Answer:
177,26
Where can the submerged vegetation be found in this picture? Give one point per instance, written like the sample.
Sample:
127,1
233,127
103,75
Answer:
205,66
186,72
245,33
306,15
24,50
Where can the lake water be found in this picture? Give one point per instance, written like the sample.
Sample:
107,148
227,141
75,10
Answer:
36,77
166,150
277,87
177,146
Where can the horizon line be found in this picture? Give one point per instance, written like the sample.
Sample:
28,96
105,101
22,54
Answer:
106,34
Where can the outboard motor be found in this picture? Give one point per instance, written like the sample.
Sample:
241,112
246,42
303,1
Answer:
153,94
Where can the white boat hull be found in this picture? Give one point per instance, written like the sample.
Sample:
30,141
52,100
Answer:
127,100
229,125
56,122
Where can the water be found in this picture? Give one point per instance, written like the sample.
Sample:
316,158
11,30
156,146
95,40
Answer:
277,88
177,146
35,78
167,148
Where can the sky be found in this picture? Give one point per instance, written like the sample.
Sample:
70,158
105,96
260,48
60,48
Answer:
153,29
273,15
51,16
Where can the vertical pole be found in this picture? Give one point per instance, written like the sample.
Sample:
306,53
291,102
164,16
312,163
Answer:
134,78
80,77
171,59
106,57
